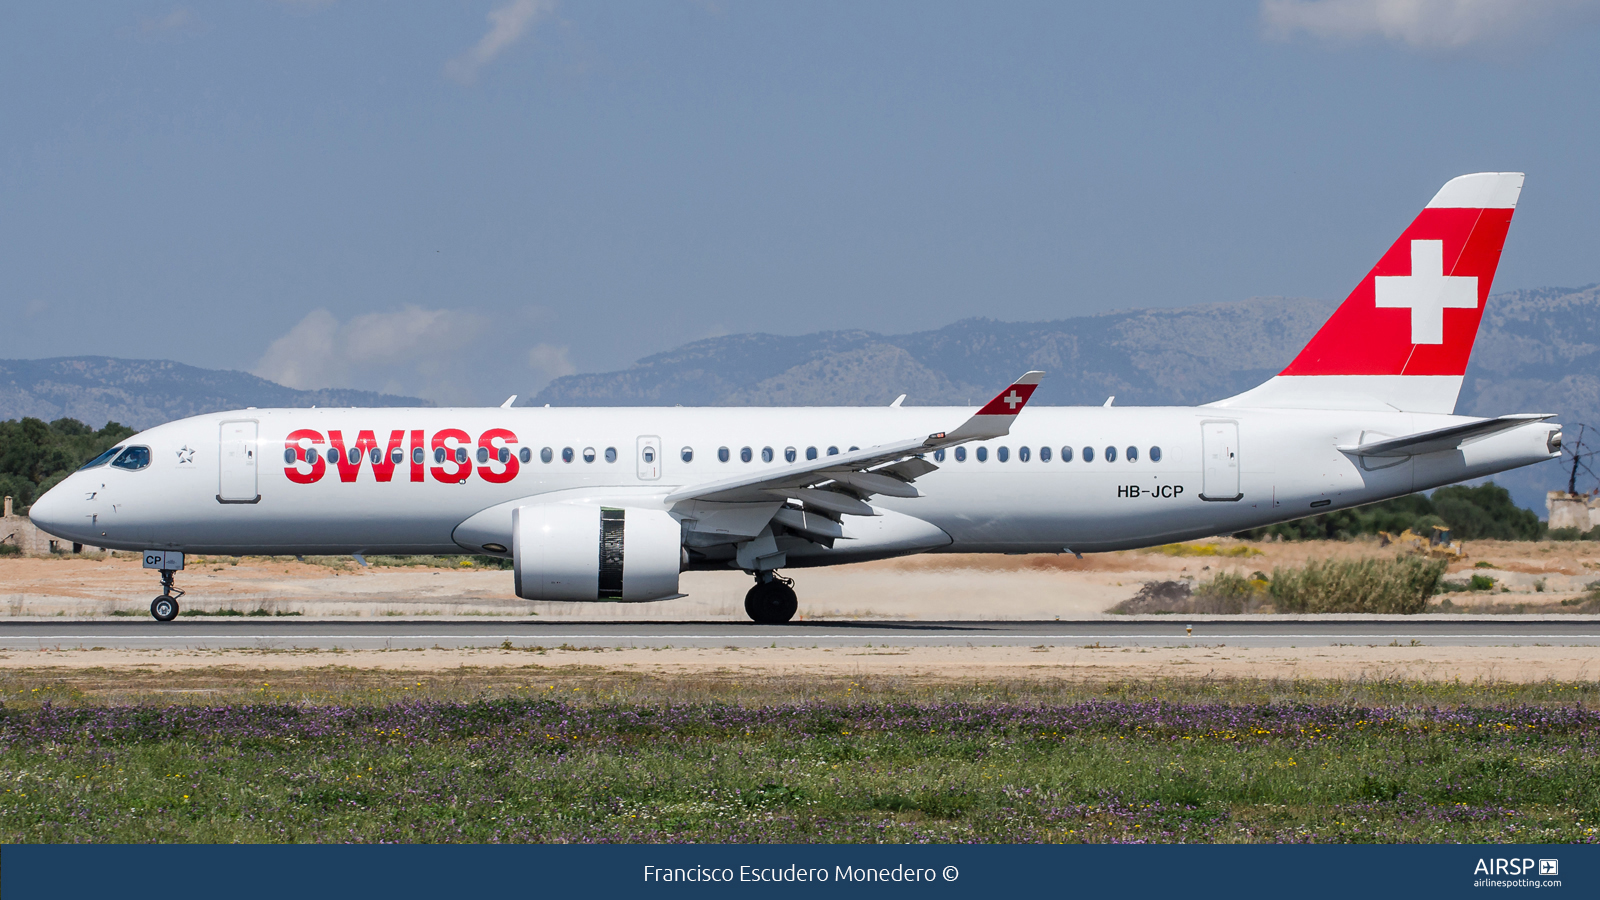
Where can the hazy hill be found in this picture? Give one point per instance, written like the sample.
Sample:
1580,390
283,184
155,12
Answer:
1538,351
140,393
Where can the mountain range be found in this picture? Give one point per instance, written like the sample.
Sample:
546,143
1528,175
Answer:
141,393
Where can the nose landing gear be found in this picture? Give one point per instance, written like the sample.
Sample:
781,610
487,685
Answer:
165,607
772,601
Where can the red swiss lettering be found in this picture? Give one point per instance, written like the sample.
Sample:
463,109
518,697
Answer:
383,466
293,471
486,441
458,471
349,460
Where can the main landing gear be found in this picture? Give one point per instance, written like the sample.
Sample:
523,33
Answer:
165,607
772,601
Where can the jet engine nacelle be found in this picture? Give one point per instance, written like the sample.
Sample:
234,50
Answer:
587,553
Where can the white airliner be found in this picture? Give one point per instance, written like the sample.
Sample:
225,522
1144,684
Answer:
612,504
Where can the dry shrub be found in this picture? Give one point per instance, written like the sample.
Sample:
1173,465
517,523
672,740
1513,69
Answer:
1398,586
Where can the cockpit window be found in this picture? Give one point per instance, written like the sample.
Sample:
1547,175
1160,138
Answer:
133,458
101,460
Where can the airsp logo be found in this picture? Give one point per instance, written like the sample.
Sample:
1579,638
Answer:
1502,866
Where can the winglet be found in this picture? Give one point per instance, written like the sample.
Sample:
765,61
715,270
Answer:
995,418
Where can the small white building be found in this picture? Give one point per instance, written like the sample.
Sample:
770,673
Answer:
1580,511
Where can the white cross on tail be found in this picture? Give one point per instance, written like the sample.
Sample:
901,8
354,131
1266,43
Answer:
1427,291
1012,399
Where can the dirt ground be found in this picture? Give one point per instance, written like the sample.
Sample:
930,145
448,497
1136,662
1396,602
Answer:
931,587
195,669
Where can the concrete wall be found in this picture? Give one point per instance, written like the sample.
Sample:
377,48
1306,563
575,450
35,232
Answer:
19,531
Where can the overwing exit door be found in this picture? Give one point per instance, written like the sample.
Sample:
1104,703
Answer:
649,458
1220,454
236,481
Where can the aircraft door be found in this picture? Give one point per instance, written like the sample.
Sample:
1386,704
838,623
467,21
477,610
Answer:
649,458
1220,456
237,478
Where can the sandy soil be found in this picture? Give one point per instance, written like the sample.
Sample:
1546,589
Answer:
1469,664
935,587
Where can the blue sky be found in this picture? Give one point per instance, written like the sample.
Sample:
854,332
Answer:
461,200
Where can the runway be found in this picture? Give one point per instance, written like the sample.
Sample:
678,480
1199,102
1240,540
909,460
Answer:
266,634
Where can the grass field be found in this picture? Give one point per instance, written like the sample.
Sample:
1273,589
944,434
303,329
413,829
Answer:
524,755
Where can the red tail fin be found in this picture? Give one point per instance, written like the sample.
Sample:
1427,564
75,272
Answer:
1404,335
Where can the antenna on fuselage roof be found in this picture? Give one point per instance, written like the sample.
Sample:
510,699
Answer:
897,401
1109,399
509,400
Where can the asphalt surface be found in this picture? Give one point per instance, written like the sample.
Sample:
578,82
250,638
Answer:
461,633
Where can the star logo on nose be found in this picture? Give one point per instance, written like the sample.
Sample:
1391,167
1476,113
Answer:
185,455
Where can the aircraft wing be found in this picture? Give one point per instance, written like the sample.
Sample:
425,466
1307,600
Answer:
1443,438
840,485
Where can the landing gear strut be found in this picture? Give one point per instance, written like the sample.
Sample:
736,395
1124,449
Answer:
772,601
165,607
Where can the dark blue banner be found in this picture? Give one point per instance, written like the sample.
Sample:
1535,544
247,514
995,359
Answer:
398,872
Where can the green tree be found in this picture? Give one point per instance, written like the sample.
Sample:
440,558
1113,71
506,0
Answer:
35,455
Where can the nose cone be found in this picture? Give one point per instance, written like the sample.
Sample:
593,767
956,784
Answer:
52,513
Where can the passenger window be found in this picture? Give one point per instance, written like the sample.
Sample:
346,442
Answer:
611,454
525,454
938,455
546,455
686,454
854,449
1044,454
398,456
833,451
1111,454
461,454
418,456
1155,454
505,454
1132,455
483,455
789,454
588,454
566,454
1088,454
722,454
983,454
312,455
354,455
745,455
1022,454
375,455
811,453
288,459
105,457
766,454
133,459
1003,454
961,454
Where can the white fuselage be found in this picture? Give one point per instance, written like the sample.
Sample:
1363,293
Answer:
211,488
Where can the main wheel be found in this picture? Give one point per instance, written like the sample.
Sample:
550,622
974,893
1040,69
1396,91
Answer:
772,603
164,608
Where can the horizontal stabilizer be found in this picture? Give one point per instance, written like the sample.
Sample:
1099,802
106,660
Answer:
1443,438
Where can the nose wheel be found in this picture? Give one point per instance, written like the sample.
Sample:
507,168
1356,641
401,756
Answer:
772,601
165,607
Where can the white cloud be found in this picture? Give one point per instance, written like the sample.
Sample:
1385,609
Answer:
550,361
507,25
1430,24
375,351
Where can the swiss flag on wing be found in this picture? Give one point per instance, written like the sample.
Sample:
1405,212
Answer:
1417,311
